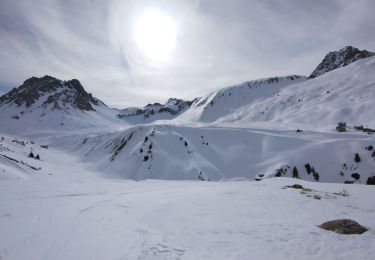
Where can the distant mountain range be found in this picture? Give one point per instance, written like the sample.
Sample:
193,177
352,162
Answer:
256,129
40,95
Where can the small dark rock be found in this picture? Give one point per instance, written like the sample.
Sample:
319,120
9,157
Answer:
296,186
343,226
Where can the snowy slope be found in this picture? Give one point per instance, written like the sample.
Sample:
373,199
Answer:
64,211
345,94
112,219
226,101
187,153
48,104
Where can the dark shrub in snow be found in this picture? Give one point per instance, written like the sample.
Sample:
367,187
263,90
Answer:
316,176
370,180
357,159
356,176
308,168
295,172
341,127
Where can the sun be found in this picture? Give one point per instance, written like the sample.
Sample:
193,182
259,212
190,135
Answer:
155,35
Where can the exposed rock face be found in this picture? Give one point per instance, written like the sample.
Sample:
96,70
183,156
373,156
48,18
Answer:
173,107
341,58
343,226
52,92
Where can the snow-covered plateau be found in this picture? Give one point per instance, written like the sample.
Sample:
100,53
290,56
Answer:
210,178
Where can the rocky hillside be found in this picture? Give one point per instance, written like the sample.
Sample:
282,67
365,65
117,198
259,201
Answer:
55,94
341,58
152,112
47,103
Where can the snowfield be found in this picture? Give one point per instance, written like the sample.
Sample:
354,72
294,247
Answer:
117,219
62,211
201,179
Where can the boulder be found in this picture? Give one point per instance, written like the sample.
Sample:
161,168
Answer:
343,226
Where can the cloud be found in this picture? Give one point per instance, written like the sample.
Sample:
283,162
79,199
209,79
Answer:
218,43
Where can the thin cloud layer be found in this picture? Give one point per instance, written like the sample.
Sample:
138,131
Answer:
218,43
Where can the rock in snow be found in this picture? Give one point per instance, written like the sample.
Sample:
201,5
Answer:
343,226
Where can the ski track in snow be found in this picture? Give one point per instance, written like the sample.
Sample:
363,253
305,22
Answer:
181,220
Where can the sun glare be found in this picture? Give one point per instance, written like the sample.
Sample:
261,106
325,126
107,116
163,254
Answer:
155,35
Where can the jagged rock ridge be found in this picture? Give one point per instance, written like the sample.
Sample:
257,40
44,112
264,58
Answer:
172,107
53,93
341,58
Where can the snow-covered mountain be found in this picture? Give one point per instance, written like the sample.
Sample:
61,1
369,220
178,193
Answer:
341,58
227,101
242,131
342,95
153,112
50,104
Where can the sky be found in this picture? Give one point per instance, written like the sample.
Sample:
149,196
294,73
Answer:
134,52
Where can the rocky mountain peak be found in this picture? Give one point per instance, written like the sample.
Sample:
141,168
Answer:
341,58
172,108
50,92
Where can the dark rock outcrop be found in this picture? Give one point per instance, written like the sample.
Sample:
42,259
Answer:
341,58
173,107
58,94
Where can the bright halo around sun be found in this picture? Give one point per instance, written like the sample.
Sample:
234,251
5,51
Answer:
155,35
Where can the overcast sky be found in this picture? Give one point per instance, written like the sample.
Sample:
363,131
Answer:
217,43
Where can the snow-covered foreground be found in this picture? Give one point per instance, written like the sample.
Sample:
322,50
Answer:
117,219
